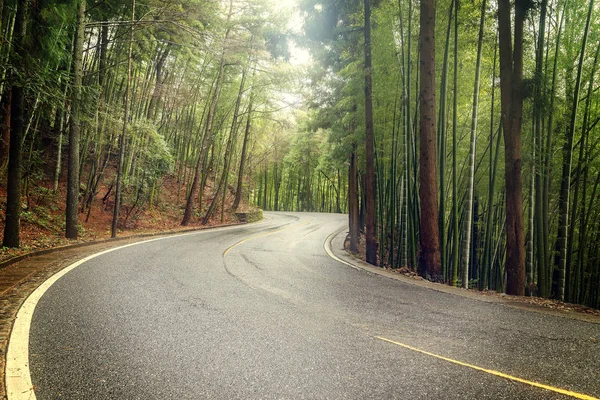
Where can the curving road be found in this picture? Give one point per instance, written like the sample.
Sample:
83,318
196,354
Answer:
261,311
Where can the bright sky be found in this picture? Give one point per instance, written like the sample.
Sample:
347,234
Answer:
299,55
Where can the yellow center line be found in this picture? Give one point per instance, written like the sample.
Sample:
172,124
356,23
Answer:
261,235
492,372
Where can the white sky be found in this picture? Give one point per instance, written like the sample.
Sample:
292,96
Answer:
299,58
299,55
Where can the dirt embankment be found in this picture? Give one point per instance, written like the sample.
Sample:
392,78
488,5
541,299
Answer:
43,214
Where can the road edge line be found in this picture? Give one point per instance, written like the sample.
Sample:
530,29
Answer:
505,301
329,251
17,375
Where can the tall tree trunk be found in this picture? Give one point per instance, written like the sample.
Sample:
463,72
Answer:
1,17
240,180
544,274
405,185
430,261
371,240
441,123
307,183
493,167
189,206
5,127
565,184
222,185
539,240
466,248
64,116
12,226
97,168
265,202
160,80
338,195
75,129
511,77
115,220
353,202
455,233
277,185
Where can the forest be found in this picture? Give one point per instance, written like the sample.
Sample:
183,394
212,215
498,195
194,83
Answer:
460,138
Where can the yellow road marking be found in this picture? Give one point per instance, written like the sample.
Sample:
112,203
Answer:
492,372
17,374
261,235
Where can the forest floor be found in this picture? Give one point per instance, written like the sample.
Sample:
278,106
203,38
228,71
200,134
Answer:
43,221
524,300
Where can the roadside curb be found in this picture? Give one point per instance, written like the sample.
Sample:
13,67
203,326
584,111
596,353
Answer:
334,246
34,253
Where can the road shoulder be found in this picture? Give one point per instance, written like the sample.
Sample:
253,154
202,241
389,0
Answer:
334,245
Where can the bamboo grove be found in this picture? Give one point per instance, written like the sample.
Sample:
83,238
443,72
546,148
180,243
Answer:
120,95
550,65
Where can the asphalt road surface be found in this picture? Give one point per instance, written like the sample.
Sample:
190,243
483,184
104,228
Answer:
274,317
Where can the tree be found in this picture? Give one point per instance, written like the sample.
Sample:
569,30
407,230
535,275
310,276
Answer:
430,260
240,177
472,148
222,185
126,102
17,127
208,131
370,188
511,80
75,131
353,222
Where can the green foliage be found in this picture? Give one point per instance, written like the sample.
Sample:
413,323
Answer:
154,158
301,156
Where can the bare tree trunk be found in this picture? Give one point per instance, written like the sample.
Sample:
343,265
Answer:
430,260
307,182
547,274
5,127
466,249
539,240
511,77
97,170
371,240
441,143
64,116
265,202
353,203
240,180
277,185
124,132
160,80
12,226
75,128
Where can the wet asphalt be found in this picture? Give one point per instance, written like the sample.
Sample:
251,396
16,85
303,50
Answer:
277,318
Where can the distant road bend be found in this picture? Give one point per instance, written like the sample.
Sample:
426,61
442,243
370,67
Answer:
262,311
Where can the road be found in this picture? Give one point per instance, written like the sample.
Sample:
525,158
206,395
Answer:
262,311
